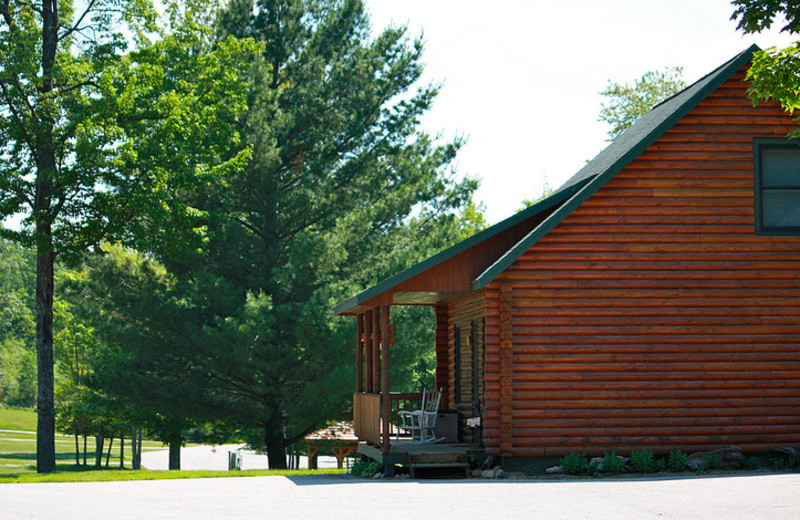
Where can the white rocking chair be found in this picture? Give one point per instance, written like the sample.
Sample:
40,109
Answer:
420,423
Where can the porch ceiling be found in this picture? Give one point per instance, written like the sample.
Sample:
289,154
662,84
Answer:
420,298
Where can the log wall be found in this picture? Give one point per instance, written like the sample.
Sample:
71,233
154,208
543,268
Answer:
653,316
463,311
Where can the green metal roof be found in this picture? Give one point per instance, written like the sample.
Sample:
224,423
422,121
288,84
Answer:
619,154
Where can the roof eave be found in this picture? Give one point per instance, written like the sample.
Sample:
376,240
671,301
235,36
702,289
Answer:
548,203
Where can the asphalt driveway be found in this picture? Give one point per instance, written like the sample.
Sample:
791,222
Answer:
343,497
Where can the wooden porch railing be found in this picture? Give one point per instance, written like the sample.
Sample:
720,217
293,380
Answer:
367,415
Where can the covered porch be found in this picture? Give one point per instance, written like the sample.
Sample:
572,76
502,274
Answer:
375,407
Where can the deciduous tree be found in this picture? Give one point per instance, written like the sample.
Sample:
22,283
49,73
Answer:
774,73
79,121
626,102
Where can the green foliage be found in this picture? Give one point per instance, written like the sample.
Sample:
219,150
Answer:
612,464
660,464
678,460
365,469
756,15
774,73
17,325
574,463
626,102
714,461
780,462
752,463
530,471
547,190
643,461
18,382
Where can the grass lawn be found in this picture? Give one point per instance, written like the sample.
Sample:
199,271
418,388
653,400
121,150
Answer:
18,446
18,457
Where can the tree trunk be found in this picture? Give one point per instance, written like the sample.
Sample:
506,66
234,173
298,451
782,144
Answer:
175,452
98,447
84,450
135,459
108,454
46,423
45,175
139,450
77,450
276,451
122,450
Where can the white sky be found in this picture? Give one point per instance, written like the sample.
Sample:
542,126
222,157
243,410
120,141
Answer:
522,77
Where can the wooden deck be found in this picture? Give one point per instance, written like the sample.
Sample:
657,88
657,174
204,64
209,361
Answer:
416,455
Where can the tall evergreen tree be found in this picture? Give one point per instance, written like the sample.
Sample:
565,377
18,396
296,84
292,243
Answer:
341,187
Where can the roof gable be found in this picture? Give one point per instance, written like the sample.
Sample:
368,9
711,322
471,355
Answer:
619,154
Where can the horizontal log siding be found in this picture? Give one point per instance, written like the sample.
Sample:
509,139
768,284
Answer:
653,316
464,310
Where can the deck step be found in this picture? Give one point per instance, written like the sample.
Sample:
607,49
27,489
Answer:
447,465
441,458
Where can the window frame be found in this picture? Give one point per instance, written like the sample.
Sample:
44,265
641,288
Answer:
758,206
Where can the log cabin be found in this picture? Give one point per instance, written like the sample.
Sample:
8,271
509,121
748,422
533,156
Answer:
652,301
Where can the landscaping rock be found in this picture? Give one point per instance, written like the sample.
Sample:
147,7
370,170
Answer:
488,473
732,458
476,473
502,474
792,452
377,476
600,463
555,470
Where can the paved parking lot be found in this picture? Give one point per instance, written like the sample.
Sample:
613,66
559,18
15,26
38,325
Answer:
344,497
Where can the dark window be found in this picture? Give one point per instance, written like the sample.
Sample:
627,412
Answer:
475,344
777,186
457,362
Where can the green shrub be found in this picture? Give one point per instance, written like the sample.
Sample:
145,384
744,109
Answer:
363,468
660,465
574,463
612,464
752,463
678,460
529,471
779,463
714,461
643,461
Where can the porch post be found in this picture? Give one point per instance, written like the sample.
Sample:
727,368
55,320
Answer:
386,398
376,353
368,341
360,353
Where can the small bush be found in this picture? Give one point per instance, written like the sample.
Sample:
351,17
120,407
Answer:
660,465
612,464
643,461
365,469
574,463
779,463
714,461
678,460
752,463
529,471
